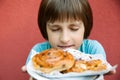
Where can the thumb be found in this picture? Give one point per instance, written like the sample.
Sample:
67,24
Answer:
23,68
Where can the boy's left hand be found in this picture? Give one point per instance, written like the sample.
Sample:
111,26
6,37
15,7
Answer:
111,72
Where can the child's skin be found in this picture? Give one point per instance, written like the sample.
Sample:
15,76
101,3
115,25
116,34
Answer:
66,34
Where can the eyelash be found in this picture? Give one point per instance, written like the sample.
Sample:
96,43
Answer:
54,30
74,29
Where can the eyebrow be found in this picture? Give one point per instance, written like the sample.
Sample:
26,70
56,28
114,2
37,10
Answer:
52,25
71,24
74,24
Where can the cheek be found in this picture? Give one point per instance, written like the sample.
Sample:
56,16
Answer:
53,39
78,42
52,36
78,38
79,35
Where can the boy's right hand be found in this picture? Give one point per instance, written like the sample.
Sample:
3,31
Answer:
23,68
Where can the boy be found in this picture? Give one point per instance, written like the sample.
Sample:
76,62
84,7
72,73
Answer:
66,24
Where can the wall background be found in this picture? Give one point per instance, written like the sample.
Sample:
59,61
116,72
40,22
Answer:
19,32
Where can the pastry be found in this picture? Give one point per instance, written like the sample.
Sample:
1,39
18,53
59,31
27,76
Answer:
53,59
82,65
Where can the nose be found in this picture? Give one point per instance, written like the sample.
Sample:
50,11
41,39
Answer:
65,37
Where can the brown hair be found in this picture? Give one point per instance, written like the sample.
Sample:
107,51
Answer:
52,10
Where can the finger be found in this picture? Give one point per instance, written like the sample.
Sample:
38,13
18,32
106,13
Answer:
24,69
111,72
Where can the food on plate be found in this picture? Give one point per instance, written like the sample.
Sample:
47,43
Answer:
66,61
53,59
82,65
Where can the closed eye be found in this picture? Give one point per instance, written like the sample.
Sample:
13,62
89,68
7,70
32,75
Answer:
75,26
57,29
74,29
53,27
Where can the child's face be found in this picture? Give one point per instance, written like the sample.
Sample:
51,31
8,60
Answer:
67,34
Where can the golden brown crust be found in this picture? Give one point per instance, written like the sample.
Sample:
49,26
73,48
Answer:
82,65
53,59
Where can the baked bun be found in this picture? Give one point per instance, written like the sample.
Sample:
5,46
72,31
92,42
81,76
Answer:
82,65
53,59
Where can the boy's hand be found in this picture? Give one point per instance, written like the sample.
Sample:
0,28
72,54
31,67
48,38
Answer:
23,68
111,72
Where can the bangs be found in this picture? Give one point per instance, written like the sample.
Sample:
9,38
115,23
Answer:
64,10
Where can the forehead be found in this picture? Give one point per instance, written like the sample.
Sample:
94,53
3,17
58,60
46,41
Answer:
65,21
